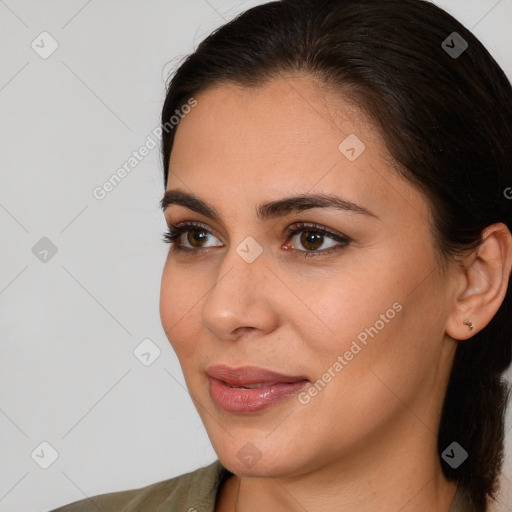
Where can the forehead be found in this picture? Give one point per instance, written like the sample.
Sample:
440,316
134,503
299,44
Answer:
288,136
290,119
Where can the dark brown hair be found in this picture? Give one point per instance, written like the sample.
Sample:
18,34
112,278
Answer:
447,123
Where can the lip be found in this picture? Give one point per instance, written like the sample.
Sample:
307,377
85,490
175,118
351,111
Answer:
268,387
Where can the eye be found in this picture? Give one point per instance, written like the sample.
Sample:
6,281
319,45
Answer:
314,239
304,238
190,236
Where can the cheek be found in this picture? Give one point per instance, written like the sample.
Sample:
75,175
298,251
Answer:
343,307
371,314
180,308
389,338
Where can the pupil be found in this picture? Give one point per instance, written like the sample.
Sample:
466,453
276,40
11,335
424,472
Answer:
311,240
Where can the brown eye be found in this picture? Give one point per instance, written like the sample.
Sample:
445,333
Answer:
311,240
190,237
196,237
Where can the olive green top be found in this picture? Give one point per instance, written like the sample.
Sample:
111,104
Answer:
191,492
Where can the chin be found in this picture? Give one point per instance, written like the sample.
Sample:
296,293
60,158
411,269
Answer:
247,460
261,469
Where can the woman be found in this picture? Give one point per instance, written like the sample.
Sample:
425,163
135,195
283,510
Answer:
336,290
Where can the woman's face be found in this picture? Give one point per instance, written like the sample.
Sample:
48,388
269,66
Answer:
345,301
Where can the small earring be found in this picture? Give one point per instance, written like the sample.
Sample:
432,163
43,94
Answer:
470,324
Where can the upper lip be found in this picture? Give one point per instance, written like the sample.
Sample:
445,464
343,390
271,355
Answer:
247,375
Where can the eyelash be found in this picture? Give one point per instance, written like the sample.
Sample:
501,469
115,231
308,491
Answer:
176,230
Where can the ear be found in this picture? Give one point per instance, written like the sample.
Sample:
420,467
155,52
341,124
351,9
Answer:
483,281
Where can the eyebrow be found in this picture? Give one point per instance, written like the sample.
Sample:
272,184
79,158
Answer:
272,209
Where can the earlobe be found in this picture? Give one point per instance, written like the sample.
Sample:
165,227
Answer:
485,275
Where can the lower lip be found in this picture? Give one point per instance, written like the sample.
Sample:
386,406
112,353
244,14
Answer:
236,400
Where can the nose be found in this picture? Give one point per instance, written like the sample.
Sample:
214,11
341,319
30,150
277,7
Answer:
242,299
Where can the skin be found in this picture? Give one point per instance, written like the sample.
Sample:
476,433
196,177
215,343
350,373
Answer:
368,440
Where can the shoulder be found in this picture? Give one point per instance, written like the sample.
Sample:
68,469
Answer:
194,490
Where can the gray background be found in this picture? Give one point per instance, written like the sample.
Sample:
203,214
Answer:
70,323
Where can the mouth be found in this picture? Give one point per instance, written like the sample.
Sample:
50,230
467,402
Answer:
250,389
